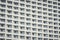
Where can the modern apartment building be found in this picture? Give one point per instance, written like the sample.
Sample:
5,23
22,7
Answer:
29,19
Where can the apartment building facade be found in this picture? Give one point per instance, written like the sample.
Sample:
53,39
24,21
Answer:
29,19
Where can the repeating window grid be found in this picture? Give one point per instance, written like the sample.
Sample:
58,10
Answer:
32,18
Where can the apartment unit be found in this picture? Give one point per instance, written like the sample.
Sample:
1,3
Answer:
29,19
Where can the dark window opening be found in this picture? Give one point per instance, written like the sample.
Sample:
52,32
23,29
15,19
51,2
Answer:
44,0
3,1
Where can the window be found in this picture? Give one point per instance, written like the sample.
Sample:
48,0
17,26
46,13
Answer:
2,39
50,10
2,35
39,8
28,19
15,3
39,34
44,13
28,15
34,24
58,0
34,38
28,28
22,4
50,22
44,22
45,5
44,0
59,19
22,27
15,22
51,27
2,25
22,9
2,10
22,23
9,35
33,15
50,14
39,12
28,23
9,26
21,13
45,30
9,21
15,36
34,34
55,11
22,37
28,38
55,3
34,29
59,4
55,27
15,12
40,30
45,26
27,1
9,6
15,31
40,21
55,23
56,7
2,20
4,1
50,18
9,11
44,17
16,26
50,31
9,16
28,6
3,5
33,2
58,11
39,0
28,10
45,35
33,7
9,2
2,30
16,8
45,38
22,0
45,9
9,30
33,11
22,18
15,17
39,3
33,20
50,6
56,36
55,15
22,32
39,25
28,33
49,1
39,38
50,35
